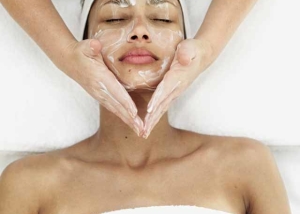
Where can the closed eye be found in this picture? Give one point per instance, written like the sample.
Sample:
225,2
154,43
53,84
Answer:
114,20
163,20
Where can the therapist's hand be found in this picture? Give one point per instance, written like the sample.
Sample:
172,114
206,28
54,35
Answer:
86,67
189,62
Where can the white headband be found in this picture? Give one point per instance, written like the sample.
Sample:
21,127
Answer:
88,3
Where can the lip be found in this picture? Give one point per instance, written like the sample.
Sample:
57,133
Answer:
138,56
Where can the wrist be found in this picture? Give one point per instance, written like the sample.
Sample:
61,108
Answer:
65,59
206,52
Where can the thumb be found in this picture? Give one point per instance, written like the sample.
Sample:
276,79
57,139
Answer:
185,53
92,47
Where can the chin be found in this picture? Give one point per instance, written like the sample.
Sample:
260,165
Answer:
136,83
139,76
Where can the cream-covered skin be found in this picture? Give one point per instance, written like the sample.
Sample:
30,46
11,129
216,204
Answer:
139,38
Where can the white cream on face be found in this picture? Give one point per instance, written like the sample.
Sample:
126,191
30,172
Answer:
132,2
162,39
125,3
149,76
162,6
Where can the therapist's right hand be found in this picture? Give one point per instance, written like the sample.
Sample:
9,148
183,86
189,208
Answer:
88,69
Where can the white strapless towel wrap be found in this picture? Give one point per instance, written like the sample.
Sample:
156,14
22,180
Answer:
168,209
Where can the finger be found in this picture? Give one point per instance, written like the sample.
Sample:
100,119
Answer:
114,91
110,85
169,86
126,111
117,92
95,46
136,120
158,95
128,121
152,119
185,53
91,47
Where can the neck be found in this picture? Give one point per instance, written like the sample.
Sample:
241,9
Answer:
114,137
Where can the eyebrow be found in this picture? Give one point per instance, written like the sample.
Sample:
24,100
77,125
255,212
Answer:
119,2
156,2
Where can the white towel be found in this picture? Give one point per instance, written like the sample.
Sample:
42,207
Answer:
167,209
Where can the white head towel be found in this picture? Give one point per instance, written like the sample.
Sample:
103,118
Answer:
88,3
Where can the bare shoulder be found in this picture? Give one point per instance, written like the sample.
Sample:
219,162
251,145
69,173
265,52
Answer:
242,157
236,150
19,187
24,182
33,166
30,171
231,157
247,151
249,157
250,165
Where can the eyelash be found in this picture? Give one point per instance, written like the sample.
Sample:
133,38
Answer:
163,20
119,20
114,20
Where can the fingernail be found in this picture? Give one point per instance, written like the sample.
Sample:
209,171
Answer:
145,132
136,130
150,109
146,135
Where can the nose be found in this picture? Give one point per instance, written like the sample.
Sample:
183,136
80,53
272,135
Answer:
139,33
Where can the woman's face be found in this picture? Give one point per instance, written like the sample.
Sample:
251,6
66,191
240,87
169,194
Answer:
139,38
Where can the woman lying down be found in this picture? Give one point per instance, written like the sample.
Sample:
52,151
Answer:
115,169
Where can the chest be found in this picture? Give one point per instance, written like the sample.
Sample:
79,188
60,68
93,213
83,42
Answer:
93,192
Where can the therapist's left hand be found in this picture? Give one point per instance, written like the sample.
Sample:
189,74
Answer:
189,61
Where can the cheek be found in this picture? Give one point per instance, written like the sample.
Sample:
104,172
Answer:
166,39
167,42
111,40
